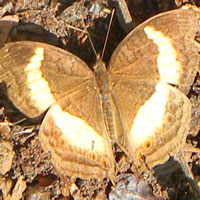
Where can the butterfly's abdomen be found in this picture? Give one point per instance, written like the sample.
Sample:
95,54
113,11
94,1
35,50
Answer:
111,115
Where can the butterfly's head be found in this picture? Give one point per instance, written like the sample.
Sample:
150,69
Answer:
99,66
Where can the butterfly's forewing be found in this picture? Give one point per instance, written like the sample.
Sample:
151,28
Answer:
161,48
155,116
37,75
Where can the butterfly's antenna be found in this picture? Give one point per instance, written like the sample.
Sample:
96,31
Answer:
95,52
84,31
105,43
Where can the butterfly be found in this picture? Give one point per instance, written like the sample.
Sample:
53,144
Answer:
137,101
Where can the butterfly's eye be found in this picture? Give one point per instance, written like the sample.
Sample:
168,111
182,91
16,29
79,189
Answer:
147,144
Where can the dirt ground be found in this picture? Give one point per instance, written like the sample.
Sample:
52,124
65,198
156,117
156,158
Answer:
25,170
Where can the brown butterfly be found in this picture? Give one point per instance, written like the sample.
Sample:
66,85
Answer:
130,102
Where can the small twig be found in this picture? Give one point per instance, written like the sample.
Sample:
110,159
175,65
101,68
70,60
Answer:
191,149
124,16
77,29
184,165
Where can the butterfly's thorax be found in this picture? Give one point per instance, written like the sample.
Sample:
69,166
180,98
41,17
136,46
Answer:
102,80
